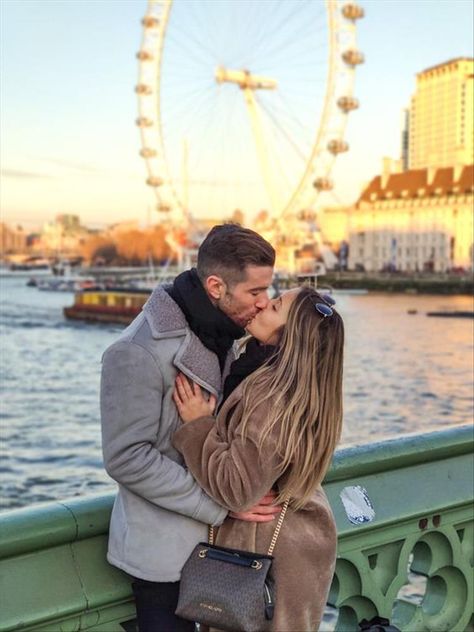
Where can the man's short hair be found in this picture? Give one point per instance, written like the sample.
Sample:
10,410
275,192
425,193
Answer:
228,249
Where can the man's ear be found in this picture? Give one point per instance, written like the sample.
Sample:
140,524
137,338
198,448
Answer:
214,287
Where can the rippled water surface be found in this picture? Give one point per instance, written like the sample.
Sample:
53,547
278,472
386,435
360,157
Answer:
403,373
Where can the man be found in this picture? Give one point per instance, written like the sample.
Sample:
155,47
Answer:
160,512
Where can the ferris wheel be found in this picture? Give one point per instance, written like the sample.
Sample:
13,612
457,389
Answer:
243,104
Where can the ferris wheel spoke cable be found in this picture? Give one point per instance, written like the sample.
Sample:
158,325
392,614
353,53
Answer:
275,190
275,157
173,137
199,159
288,111
287,19
290,48
184,40
284,133
192,37
174,141
204,25
258,27
295,50
283,176
299,140
225,155
235,161
265,26
204,127
188,101
269,47
195,56
187,90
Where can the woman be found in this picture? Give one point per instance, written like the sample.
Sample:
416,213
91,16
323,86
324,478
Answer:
277,429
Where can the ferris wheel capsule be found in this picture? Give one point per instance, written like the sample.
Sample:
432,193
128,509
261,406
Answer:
142,88
347,104
148,152
353,11
142,121
353,57
323,184
149,22
306,215
144,55
163,208
337,146
154,181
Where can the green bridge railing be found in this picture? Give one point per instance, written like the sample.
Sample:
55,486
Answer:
412,563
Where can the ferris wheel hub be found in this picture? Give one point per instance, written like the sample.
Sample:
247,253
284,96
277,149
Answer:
244,79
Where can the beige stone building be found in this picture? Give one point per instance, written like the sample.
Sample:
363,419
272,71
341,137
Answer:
63,236
334,225
12,239
417,220
441,117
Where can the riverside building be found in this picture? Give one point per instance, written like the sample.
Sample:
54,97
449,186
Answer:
417,216
414,221
441,116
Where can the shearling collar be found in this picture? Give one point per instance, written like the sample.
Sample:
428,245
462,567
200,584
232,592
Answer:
166,320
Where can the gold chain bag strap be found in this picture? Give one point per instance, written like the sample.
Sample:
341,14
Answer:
227,588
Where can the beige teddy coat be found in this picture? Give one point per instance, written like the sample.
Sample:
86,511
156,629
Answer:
237,474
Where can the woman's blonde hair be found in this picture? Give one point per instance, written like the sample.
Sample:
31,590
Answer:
303,381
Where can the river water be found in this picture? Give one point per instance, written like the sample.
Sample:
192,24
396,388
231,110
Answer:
403,373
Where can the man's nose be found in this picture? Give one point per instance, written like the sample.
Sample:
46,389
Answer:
262,301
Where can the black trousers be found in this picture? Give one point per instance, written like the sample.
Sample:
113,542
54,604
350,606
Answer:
156,603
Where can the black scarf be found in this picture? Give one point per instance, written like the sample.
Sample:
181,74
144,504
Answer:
254,356
214,329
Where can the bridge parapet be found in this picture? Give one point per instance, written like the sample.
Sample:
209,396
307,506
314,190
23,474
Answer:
411,561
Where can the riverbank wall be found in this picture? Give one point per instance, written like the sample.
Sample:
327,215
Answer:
395,283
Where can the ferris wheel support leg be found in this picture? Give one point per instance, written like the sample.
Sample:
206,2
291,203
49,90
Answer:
260,144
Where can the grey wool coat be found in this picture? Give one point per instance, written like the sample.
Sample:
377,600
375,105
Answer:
160,512
236,473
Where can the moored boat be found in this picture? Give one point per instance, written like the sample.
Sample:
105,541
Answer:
452,314
107,306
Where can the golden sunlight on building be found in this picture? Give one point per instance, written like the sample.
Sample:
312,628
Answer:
12,239
441,116
417,220
63,235
334,225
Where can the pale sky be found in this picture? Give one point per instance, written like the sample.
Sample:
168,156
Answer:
69,143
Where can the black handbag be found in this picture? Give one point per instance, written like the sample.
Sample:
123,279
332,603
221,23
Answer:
229,589
377,624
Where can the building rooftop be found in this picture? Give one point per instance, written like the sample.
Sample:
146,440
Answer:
445,63
416,183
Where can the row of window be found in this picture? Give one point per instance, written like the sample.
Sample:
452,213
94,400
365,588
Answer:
411,237
438,239
418,254
441,200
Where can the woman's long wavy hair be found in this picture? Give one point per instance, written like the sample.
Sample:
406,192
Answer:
303,381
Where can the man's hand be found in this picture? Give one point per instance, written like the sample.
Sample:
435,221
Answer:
263,511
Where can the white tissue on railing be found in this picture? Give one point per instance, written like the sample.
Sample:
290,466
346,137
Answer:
358,506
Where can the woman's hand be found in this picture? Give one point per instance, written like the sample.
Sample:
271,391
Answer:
190,401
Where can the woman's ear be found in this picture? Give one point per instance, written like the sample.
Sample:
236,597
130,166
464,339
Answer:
214,287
